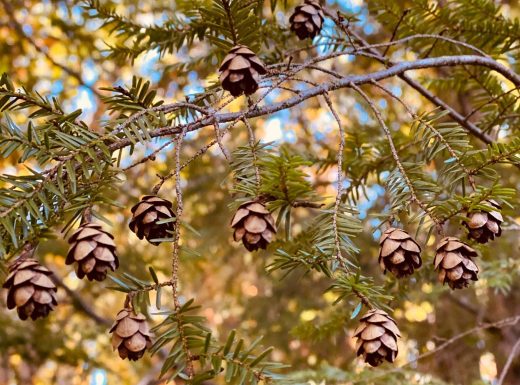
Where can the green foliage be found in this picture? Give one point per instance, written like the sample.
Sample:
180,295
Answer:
134,39
62,184
436,175
283,181
355,285
127,101
244,161
222,23
191,341
315,247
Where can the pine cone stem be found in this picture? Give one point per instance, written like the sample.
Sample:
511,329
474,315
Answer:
252,144
364,300
87,215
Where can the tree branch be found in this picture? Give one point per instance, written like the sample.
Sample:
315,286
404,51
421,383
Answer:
510,358
344,82
411,188
455,115
79,303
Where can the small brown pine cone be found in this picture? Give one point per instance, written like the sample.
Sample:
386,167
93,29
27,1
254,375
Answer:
254,226
145,215
240,71
94,252
307,19
454,263
130,335
485,225
30,289
377,337
399,253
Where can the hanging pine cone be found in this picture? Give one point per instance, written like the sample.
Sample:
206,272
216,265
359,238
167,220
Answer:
240,71
131,335
454,263
254,226
150,210
399,253
485,225
94,252
307,19
377,337
30,289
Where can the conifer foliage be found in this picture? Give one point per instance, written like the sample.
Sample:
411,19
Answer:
300,206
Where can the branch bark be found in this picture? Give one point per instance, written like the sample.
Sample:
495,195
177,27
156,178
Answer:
398,69
455,115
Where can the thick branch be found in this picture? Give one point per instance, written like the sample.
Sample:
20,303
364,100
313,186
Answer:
345,82
455,115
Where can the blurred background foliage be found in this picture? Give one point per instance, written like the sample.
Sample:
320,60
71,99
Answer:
63,49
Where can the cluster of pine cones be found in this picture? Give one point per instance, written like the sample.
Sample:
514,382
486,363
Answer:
32,291
400,254
241,69
93,251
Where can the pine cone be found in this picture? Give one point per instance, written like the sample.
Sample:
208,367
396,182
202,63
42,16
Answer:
150,210
307,19
240,71
131,335
254,226
30,289
453,260
377,337
485,225
399,253
93,250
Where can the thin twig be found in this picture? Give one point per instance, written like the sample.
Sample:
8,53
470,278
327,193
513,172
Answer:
339,180
218,136
149,157
394,33
455,115
509,361
252,144
452,152
414,197
175,255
